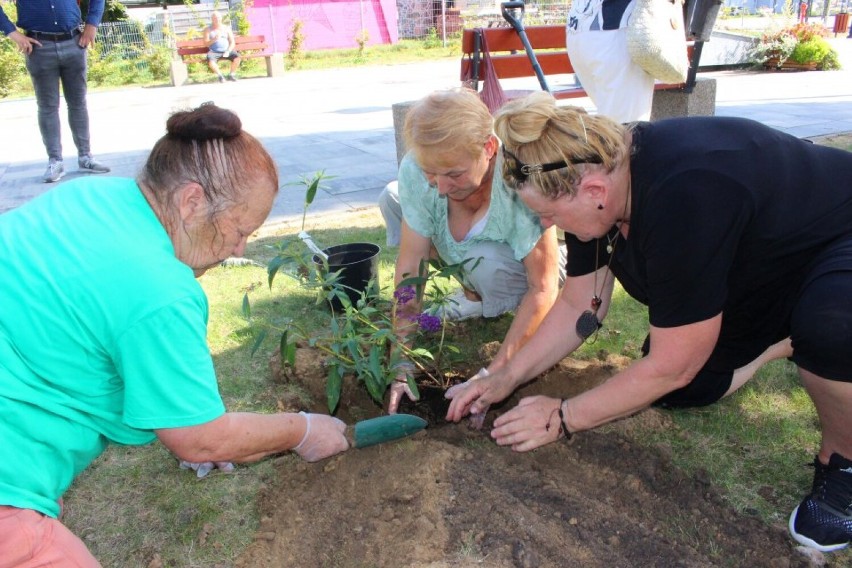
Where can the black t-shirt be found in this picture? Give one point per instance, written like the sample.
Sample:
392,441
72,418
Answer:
726,216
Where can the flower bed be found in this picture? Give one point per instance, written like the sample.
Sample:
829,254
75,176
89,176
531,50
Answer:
802,46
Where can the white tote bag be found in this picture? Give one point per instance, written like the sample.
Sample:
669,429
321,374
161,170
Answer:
656,39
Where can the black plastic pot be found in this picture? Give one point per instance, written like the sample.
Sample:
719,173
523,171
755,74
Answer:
358,263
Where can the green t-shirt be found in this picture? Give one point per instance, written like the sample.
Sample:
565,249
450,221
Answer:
102,336
425,211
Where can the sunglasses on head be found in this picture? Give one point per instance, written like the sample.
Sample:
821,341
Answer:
521,171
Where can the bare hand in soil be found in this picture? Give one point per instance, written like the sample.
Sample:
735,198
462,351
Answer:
533,423
397,389
324,437
476,394
203,468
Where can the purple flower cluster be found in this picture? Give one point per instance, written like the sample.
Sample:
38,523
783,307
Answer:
429,323
403,295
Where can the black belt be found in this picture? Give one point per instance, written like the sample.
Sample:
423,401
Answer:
53,36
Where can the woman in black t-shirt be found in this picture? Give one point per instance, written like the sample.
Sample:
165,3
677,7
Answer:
736,236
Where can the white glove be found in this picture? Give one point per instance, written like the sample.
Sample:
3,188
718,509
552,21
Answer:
323,437
475,421
203,468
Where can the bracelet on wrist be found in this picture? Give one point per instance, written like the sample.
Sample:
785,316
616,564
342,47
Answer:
563,425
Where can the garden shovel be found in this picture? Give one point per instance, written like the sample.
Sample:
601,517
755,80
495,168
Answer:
383,429
309,242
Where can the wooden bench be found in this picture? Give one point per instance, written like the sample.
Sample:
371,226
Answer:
511,61
246,46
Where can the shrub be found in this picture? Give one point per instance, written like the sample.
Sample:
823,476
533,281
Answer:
239,15
815,49
776,45
114,11
432,40
296,51
830,62
158,58
361,39
12,68
807,32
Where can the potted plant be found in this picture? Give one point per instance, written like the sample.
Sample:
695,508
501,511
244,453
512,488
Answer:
802,46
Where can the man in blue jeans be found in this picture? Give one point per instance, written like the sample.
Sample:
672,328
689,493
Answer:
54,42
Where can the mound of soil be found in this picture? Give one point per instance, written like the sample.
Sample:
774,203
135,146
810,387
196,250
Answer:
449,496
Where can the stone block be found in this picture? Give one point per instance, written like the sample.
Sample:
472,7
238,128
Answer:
700,102
275,65
178,72
400,110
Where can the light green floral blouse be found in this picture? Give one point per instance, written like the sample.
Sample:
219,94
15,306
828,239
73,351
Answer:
425,211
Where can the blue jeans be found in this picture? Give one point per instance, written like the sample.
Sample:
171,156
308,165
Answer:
49,64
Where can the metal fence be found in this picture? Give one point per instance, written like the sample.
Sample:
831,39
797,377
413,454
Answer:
125,39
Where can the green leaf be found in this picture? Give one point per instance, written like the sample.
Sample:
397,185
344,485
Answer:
353,347
287,350
413,386
424,353
312,189
333,384
375,361
246,307
413,281
291,354
258,340
377,391
273,266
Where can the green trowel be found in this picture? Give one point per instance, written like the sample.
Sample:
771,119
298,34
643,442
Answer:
383,429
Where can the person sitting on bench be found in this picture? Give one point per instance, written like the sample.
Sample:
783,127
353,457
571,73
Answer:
220,40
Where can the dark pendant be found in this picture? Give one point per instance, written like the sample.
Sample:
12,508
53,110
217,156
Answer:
596,304
587,324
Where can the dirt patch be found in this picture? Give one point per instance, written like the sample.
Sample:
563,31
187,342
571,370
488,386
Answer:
449,496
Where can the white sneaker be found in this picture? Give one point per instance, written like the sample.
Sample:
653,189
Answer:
54,172
457,307
89,165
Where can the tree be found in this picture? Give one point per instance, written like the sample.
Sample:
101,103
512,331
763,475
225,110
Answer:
114,11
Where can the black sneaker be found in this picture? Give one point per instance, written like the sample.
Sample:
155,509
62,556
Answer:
823,520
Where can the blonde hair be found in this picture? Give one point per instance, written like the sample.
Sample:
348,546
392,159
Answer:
451,121
536,131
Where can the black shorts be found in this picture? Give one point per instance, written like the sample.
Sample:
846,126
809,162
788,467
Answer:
820,327
821,323
707,387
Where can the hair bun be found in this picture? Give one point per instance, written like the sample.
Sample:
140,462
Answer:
207,122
